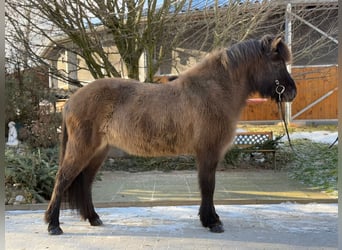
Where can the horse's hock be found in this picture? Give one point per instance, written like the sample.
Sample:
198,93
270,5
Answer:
256,142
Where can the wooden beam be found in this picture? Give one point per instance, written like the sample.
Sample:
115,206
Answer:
311,1
315,28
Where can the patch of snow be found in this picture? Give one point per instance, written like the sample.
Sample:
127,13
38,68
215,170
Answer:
285,217
326,137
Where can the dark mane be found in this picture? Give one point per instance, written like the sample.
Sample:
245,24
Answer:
239,56
243,53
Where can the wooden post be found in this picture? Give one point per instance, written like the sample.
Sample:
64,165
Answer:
288,40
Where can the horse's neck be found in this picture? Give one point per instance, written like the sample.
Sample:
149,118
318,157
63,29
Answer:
234,82
223,92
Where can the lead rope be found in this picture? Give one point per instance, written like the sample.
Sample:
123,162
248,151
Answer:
280,89
332,144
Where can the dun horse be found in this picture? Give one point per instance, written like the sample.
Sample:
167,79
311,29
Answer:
195,114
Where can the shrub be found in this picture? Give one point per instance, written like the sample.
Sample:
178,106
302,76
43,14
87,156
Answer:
31,105
43,132
235,156
34,170
232,157
136,164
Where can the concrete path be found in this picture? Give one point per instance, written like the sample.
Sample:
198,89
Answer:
172,222
181,188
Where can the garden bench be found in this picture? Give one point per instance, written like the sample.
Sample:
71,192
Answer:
256,142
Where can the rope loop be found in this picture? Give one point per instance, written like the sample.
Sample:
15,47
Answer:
280,89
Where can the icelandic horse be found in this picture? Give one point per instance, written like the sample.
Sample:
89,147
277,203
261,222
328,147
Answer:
195,114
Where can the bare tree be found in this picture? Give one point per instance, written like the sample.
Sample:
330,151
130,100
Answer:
153,28
134,26
315,32
314,27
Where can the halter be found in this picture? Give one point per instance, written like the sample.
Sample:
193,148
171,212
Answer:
280,89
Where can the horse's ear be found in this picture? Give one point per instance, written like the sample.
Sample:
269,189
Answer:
275,47
275,44
280,50
266,42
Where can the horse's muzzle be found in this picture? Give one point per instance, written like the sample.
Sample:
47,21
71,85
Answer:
289,96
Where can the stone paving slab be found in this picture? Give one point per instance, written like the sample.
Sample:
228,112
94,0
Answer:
181,187
122,189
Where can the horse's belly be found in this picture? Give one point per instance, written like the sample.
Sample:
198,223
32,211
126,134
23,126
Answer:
143,145
140,132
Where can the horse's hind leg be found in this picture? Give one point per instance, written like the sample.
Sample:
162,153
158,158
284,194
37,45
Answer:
52,212
70,180
87,210
64,178
206,174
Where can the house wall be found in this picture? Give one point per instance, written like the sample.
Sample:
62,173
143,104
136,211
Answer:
66,64
83,74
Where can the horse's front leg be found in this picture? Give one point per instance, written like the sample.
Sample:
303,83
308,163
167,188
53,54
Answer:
206,176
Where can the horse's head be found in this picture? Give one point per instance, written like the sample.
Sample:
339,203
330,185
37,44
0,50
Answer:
276,81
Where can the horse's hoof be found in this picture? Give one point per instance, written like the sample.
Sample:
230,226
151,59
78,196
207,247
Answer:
55,230
96,222
217,229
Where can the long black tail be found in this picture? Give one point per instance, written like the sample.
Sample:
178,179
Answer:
77,195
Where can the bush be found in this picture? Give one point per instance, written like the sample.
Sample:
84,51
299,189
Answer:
33,170
136,164
30,104
43,132
232,157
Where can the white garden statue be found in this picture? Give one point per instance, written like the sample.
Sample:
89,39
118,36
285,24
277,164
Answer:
12,135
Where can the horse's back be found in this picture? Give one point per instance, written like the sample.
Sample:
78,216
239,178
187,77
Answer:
148,119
